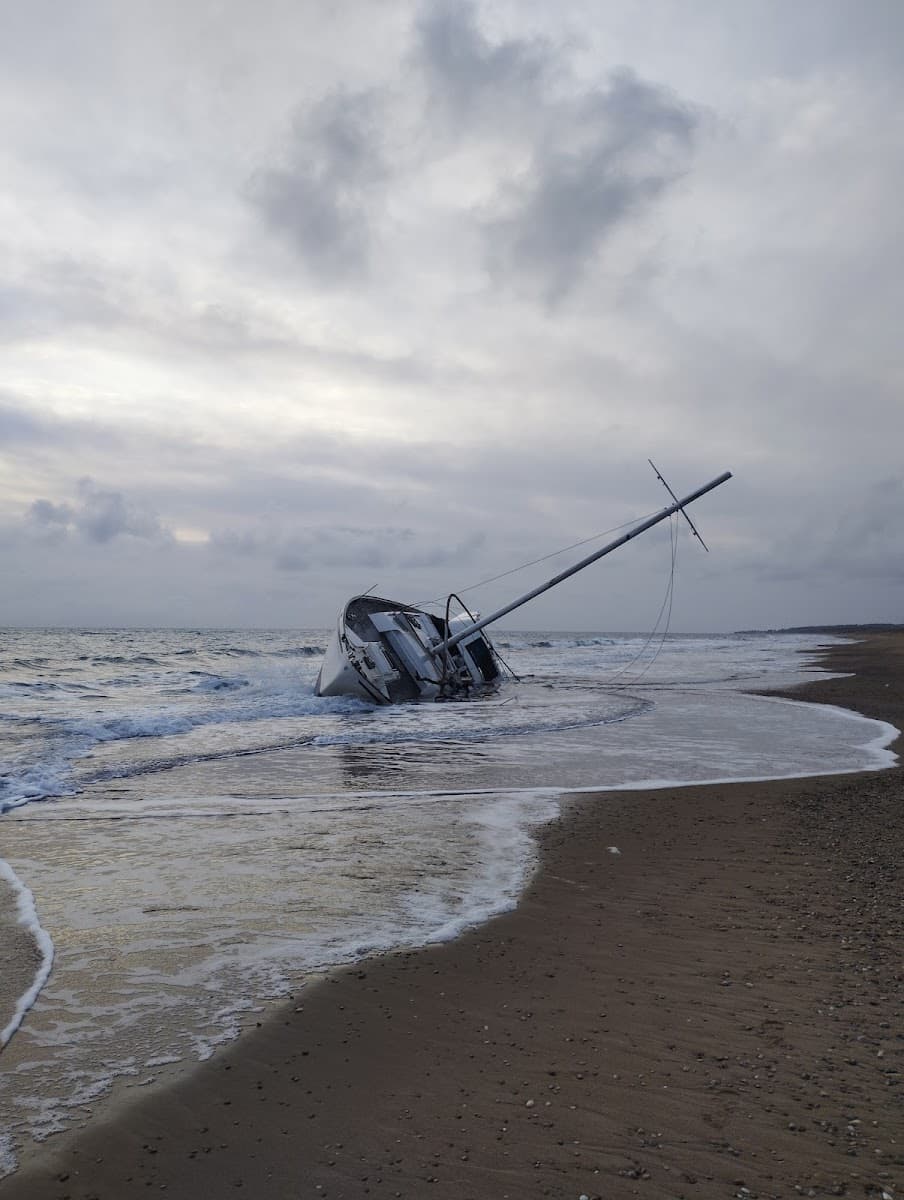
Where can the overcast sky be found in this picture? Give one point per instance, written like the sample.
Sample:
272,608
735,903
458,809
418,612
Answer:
299,298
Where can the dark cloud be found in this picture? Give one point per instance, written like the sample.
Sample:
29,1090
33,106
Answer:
373,547
594,157
615,152
45,512
472,78
573,161
99,515
551,240
321,198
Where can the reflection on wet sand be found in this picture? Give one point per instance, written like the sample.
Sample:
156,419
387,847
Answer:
381,768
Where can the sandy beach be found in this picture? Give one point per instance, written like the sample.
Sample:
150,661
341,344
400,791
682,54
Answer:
698,996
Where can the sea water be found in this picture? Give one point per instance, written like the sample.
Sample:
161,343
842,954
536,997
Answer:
189,832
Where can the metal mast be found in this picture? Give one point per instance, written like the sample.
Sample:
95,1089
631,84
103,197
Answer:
678,506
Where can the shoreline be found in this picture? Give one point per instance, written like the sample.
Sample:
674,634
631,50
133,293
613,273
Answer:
570,1045
24,961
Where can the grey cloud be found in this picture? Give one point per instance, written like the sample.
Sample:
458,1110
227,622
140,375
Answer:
52,295
321,198
594,157
860,549
44,512
22,426
611,155
588,157
104,515
99,515
445,495
336,546
470,76
881,514
292,560
868,539
241,544
326,545
443,555
18,424
791,39
372,549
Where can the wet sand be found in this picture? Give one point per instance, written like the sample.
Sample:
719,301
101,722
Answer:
20,955
715,1010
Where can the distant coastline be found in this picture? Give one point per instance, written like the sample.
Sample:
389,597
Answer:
876,627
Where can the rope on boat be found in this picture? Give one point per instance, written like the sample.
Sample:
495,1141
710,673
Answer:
665,607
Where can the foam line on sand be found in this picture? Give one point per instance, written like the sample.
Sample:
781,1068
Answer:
41,953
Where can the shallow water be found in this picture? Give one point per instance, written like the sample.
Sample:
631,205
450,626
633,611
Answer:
200,831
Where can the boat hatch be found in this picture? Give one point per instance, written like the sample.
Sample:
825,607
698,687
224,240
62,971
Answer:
405,636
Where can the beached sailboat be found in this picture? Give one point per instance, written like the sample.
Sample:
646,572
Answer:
388,652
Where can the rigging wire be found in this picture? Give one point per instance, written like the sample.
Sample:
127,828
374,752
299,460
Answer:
671,595
545,558
665,607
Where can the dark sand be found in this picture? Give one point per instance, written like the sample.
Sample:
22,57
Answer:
713,1012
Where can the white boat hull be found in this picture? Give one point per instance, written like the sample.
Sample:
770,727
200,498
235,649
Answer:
386,653
338,677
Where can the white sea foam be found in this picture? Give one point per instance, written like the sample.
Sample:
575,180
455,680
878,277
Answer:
162,1060
8,1159
27,916
869,754
443,907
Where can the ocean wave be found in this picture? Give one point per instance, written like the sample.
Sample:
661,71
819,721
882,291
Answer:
67,741
207,682
558,642
130,660
32,782
114,729
285,652
16,688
